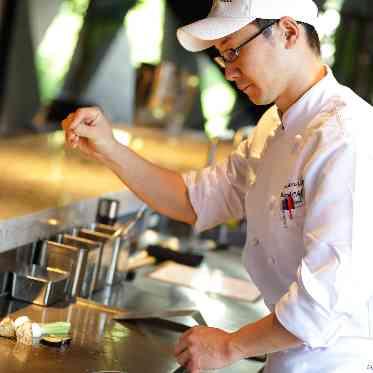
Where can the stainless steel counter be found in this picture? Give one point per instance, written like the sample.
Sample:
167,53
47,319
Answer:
45,188
99,343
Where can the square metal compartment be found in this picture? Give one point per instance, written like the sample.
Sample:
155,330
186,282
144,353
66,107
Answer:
39,285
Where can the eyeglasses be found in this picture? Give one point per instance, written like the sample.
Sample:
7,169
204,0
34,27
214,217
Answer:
230,55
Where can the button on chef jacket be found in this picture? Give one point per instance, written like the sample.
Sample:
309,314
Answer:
305,186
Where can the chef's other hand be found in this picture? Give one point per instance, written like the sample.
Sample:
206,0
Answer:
88,130
203,348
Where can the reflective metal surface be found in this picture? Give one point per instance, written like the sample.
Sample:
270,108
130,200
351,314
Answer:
39,285
111,246
71,259
146,297
99,343
149,296
94,251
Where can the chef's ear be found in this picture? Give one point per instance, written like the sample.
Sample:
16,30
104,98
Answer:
289,31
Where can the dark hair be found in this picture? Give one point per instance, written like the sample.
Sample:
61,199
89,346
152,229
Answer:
312,36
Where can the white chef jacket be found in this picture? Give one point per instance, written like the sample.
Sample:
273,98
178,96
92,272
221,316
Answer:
304,184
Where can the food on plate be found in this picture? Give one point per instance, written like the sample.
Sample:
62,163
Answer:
7,328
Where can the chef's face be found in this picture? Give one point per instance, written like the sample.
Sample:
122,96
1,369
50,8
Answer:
263,66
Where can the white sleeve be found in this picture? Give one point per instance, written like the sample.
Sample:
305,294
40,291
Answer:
334,278
217,193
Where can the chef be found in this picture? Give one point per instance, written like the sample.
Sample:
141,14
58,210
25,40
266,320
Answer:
302,181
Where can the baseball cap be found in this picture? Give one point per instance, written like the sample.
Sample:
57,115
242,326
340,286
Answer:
229,16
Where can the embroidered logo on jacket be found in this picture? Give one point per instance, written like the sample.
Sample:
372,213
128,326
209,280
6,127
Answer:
292,198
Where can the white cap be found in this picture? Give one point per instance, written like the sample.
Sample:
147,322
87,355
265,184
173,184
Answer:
229,16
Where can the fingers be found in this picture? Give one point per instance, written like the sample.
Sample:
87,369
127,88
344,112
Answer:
183,358
78,124
192,368
82,130
183,341
181,346
65,122
87,116
183,352
65,125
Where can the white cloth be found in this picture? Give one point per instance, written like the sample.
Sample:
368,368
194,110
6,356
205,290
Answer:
304,188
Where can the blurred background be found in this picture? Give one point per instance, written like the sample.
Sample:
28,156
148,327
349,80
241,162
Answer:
122,55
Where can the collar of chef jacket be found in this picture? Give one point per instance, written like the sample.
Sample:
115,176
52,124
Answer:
307,106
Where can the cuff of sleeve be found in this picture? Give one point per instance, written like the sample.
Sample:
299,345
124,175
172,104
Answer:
189,178
304,318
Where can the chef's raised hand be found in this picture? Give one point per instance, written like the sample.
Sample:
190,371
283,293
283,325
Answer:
88,130
203,348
